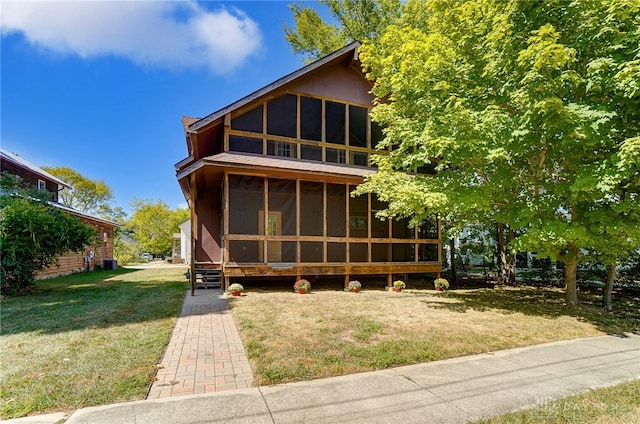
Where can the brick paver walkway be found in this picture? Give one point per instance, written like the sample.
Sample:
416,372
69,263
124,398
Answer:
205,353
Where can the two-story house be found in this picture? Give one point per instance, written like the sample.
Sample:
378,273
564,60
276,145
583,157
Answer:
269,179
100,254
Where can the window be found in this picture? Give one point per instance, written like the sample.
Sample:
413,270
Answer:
376,134
249,121
246,199
336,210
282,149
282,115
336,156
42,186
358,216
357,126
310,118
312,208
335,122
245,144
311,153
359,158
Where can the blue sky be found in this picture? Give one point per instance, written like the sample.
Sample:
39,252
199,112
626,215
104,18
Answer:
101,87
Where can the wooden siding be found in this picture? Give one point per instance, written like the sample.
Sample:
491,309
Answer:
339,83
31,178
75,261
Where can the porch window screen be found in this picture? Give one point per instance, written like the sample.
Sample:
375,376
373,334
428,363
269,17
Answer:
244,251
428,252
288,251
246,201
357,126
282,149
379,252
358,216
335,122
311,152
336,252
403,252
359,158
245,144
336,155
358,252
379,228
310,118
282,201
249,121
428,229
336,210
401,228
282,116
311,208
311,251
376,134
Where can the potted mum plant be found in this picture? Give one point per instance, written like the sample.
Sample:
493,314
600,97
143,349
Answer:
398,285
302,286
354,286
235,289
441,284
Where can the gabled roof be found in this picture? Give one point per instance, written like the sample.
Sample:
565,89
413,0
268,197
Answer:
350,49
17,160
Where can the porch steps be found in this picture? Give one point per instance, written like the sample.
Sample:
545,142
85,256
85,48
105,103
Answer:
207,278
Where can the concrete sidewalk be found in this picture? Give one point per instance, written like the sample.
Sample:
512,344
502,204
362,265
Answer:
450,391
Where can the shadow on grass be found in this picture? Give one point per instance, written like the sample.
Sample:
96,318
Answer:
93,300
546,302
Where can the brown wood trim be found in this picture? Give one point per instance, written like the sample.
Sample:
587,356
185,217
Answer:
247,270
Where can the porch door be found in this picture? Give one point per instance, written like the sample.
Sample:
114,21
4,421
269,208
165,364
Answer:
274,228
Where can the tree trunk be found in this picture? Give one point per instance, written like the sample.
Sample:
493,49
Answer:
452,252
502,254
506,260
570,275
608,287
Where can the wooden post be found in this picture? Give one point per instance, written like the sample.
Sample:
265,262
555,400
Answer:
194,228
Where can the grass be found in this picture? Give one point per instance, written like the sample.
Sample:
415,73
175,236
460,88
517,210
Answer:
86,339
292,337
612,405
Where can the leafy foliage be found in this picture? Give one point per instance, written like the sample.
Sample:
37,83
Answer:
152,225
357,20
530,112
33,234
85,195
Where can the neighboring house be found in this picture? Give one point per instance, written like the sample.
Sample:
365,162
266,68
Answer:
185,241
268,181
100,254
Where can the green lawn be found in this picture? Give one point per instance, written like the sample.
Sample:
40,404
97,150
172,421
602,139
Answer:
612,405
86,339
291,337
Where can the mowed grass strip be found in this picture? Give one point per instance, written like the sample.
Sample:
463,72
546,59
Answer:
611,405
292,337
86,339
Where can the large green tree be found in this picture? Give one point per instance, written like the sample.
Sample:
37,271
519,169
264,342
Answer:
530,111
33,233
353,20
85,194
153,224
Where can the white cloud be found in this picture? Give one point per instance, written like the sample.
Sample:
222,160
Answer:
156,33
